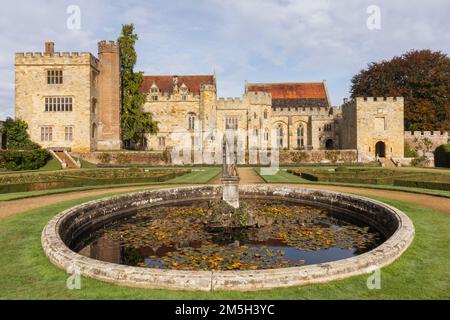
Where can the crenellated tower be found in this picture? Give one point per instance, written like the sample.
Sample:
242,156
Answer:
109,104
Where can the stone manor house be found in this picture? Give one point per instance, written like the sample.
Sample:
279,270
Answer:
72,102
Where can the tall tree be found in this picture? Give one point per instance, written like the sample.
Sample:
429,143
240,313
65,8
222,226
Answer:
135,123
422,77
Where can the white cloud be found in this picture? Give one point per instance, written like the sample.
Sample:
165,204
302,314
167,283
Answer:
257,40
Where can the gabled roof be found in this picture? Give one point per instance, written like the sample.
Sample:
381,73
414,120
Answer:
165,83
300,91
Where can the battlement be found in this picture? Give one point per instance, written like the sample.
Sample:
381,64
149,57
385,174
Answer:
108,47
229,103
442,134
379,99
49,56
306,111
56,58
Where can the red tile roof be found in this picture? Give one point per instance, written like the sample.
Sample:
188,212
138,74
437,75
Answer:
291,90
165,83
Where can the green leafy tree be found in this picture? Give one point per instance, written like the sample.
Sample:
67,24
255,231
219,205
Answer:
22,153
17,135
134,122
422,77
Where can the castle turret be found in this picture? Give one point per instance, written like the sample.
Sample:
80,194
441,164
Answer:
109,85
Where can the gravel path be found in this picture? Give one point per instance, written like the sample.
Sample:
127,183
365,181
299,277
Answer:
10,208
436,203
248,176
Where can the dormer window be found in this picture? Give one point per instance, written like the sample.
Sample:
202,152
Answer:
184,92
154,91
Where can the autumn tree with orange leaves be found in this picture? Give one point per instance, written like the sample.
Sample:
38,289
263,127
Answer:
422,77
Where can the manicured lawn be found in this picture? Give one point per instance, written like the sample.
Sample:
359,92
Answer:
285,177
51,165
198,175
421,273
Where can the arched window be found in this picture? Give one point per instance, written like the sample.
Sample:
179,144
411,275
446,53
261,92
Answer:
300,137
266,134
265,114
191,122
280,136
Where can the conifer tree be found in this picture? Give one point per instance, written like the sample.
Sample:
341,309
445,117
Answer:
134,122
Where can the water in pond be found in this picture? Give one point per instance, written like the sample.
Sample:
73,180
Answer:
181,237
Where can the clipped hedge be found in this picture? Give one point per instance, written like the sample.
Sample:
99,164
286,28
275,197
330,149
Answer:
423,184
32,182
367,176
17,160
442,156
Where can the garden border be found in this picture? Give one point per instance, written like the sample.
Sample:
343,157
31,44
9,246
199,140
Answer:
65,227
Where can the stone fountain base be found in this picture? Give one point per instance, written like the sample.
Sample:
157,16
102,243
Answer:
231,191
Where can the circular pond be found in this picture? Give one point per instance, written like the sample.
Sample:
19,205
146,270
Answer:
181,237
172,239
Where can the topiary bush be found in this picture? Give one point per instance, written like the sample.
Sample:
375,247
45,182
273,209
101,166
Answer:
442,156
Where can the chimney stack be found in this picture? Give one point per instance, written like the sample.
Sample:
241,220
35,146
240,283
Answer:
49,47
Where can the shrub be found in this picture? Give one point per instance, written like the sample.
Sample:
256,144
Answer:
423,184
26,159
410,153
2,158
18,138
442,156
420,161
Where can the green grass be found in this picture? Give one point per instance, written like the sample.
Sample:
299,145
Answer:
200,175
51,165
285,177
197,176
421,273
87,164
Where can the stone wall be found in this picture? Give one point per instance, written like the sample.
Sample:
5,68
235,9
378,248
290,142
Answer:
161,158
125,158
425,142
317,156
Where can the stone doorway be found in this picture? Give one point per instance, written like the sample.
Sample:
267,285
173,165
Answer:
380,149
329,145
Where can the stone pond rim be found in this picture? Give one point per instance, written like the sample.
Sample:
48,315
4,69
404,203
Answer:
63,228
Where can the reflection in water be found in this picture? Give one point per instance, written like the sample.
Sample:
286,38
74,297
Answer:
179,237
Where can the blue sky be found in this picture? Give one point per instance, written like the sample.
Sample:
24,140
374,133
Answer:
254,40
